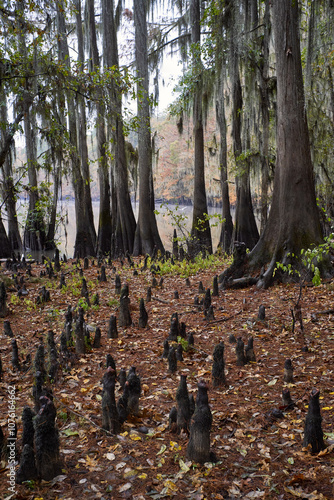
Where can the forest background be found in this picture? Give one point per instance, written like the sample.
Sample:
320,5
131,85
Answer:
81,81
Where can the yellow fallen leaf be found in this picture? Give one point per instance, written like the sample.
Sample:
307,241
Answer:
142,475
169,486
134,437
130,473
184,466
327,408
174,446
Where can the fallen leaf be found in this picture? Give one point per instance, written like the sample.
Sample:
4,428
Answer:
125,487
301,494
162,449
327,450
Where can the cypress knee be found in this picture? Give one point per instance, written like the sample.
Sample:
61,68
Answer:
239,350
112,329
134,391
172,360
215,289
249,351
124,318
80,347
15,356
166,350
110,418
262,313
3,296
27,470
313,434
122,404
286,399
198,449
7,329
183,406
143,316
218,366
47,441
28,426
288,372
97,338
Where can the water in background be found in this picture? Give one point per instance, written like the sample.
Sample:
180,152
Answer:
66,231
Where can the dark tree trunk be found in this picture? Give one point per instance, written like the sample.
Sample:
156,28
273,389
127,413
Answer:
200,239
123,221
264,110
34,232
245,229
225,239
293,221
147,237
82,131
50,243
8,188
5,246
84,244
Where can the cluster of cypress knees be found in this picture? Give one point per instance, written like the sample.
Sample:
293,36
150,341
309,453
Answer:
40,456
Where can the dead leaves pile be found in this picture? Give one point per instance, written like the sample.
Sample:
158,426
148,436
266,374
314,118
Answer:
259,455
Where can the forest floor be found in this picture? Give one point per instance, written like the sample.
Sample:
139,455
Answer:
258,456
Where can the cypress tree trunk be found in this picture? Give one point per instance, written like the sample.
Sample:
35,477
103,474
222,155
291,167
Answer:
293,221
245,229
200,231
84,244
8,188
147,237
225,239
82,129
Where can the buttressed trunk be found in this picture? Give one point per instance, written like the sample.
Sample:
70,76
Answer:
293,221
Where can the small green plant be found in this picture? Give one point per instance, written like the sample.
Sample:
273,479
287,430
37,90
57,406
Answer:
83,303
14,300
30,483
184,343
310,260
62,415
30,305
113,303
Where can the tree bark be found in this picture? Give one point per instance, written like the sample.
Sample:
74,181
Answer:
264,110
293,221
82,129
245,229
147,237
200,238
225,239
8,187
84,244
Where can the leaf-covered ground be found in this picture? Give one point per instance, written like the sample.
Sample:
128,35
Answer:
258,456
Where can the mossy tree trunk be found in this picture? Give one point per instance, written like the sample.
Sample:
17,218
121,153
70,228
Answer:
147,237
293,221
200,238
